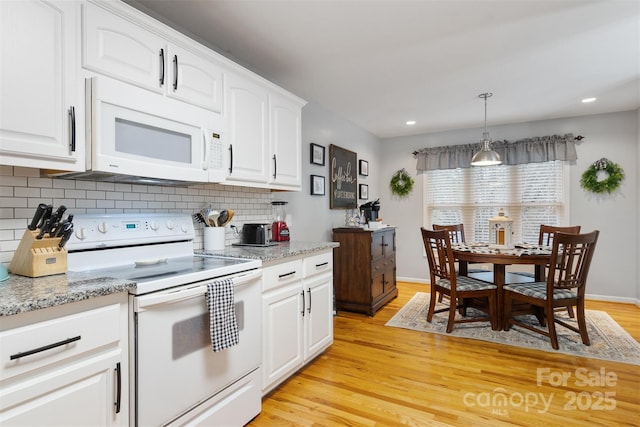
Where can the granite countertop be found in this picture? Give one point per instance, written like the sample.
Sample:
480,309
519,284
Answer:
20,294
273,253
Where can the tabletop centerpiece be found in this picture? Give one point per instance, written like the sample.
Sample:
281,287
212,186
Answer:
501,231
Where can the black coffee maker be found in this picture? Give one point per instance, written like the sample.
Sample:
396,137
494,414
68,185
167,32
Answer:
370,210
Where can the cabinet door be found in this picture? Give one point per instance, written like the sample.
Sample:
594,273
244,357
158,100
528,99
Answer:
82,394
194,78
39,85
286,146
318,315
282,334
121,49
247,114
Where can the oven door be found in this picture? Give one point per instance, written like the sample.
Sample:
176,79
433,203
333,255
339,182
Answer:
175,368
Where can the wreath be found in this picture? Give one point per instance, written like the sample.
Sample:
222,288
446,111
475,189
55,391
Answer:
590,181
401,183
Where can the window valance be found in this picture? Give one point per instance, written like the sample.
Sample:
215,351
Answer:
530,150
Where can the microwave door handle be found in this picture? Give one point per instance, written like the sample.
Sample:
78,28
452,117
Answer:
207,151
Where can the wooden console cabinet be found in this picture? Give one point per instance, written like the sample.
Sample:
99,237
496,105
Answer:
364,268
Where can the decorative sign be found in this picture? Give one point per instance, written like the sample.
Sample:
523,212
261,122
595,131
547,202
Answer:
344,182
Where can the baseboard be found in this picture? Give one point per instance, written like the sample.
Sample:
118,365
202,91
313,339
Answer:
413,280
607,298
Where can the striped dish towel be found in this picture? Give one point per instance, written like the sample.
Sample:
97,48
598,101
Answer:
223,326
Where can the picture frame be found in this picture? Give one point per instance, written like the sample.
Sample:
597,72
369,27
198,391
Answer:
317,154
363,167
343,178
317,185
364,191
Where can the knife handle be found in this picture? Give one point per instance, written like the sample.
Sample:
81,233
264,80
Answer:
43,229
61,210
36,218
68,231
46,215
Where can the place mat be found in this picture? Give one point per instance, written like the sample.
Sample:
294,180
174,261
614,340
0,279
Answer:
608,340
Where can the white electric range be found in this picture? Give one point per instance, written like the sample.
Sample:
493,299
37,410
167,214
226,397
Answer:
176,378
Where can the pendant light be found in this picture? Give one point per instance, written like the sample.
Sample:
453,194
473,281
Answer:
486,156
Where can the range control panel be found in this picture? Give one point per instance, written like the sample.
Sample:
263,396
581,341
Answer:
97,231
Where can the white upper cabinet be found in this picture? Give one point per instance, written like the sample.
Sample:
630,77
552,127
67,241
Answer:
137,53
264,134
41,105
247,115
286,146
194,78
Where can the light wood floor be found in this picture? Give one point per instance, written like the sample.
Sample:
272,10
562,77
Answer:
381,376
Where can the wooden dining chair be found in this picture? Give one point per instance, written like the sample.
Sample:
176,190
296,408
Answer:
456,235
546,238
565,285
445,281
548,231
456,231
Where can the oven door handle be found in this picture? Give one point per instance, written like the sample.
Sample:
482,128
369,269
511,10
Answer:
185,293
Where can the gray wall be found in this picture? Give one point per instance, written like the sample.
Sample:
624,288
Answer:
311,219
614,274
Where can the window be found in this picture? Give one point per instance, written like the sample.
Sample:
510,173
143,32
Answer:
531,194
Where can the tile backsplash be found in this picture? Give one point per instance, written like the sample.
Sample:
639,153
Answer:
22,189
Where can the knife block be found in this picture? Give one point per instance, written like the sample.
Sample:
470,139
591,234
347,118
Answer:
37,258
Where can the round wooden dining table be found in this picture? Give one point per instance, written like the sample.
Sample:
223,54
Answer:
500,258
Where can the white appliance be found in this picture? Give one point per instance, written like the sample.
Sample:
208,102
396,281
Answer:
135,135
176,378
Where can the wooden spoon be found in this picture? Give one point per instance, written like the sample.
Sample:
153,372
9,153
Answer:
230,213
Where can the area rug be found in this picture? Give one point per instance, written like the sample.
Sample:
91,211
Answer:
608,340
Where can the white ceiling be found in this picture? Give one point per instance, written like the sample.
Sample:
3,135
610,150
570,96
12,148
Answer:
379,63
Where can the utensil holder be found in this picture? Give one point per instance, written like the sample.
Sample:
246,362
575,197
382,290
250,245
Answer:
37,258
214,238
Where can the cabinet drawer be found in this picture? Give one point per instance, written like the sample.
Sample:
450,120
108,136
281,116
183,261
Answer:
281,274
380,265
35,346
317,264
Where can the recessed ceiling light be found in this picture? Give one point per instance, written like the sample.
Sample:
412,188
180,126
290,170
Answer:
588,100
411,122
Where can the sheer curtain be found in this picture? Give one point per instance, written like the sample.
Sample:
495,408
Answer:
530,150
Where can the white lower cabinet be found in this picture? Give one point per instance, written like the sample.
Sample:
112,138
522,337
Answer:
66,365
297,315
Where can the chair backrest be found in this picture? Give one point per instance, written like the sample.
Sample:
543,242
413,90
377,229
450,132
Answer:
437,244
456,231
548,231
572,254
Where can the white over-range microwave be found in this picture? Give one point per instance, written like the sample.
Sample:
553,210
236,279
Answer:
134,135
